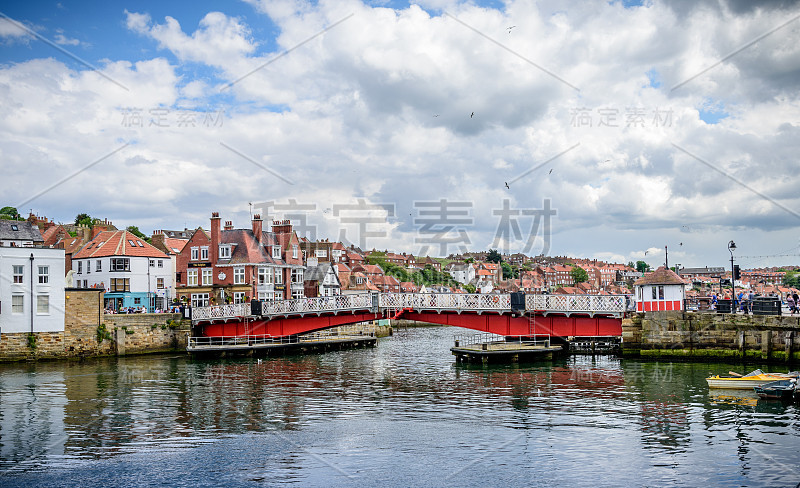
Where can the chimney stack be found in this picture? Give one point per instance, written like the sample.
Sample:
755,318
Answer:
228,225
215,237
258,227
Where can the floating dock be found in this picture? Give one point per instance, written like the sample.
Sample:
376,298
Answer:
487,348
268,346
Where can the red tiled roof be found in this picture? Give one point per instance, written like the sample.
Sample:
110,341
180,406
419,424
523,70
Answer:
174,244
661,276
118,243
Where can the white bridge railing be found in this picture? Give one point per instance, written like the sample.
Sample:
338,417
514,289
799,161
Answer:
319,304
576,303
450,301
594,304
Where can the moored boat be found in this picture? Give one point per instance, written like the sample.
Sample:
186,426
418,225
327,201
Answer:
746,382
777,390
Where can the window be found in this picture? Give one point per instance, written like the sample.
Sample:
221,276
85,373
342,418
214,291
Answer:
80,267
18,270
207,280
191,276
160,283
224,252
133,244
120,264
238,276
120,284
264,276
14,227
99,266
660,292
44,275
204,253
276,251
195,253
297,294
42,304
278,276
321,253
141,244
17,304
152,263
655,292
160,263
199,299
297,276
294,251
238,297
137,301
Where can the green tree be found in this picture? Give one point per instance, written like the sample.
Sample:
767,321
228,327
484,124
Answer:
9,213
642,267
135,231
631,265
494,256
469,288
508,271
791,279
579,275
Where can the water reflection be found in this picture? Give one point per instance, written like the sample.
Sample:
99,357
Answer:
309,418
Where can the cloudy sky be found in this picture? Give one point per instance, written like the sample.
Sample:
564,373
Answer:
624,126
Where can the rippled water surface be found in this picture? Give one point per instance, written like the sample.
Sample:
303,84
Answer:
400,414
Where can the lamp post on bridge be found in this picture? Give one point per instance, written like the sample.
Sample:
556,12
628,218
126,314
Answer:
731,248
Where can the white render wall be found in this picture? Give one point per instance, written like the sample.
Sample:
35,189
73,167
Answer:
138,274
53,321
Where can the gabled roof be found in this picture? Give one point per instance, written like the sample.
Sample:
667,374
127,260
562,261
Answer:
118,243
174,244
661,276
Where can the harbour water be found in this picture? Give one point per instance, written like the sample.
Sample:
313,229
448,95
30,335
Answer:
400,414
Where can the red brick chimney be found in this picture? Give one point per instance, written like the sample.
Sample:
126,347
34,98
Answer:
215,238
258,227
282,226
228,225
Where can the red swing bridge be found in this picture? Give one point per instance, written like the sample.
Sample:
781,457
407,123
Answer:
512,314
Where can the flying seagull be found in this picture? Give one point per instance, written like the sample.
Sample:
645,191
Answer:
509,28
551,170
507,185
470,115
436,115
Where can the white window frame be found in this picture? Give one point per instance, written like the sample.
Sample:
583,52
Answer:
99,267
204,253
207,277
44,275
80,267
225,252
160,283
160,263
42,304
18,270
297,275
199,299
120,264
238,297
17,304
321,253
239,276
191,277
294,251
276,251
152,263
195,254
278,276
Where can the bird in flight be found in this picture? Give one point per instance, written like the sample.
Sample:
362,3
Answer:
470,115
509,28
436,115
507,185
551,170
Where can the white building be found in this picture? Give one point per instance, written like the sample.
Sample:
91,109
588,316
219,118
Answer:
31,290
16,233
660,290
133,273
463,273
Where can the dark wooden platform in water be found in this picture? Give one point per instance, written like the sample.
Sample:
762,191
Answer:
308,346
504,352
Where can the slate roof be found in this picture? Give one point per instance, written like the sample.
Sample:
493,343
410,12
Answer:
26,231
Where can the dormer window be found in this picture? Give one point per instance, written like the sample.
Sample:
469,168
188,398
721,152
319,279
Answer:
276,251
14,227
225,252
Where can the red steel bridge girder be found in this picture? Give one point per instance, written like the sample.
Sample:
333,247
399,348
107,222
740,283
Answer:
285,326
509,325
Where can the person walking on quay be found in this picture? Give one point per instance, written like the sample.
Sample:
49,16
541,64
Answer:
790,303
796,302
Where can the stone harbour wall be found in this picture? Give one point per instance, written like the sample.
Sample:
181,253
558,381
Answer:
89,332
709,336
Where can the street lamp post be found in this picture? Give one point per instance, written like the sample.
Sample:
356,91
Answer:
731,248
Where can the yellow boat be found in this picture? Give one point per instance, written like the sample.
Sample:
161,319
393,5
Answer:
746,382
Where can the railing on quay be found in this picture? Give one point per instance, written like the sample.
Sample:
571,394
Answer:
592,304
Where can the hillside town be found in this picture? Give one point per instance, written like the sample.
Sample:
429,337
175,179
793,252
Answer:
220,264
